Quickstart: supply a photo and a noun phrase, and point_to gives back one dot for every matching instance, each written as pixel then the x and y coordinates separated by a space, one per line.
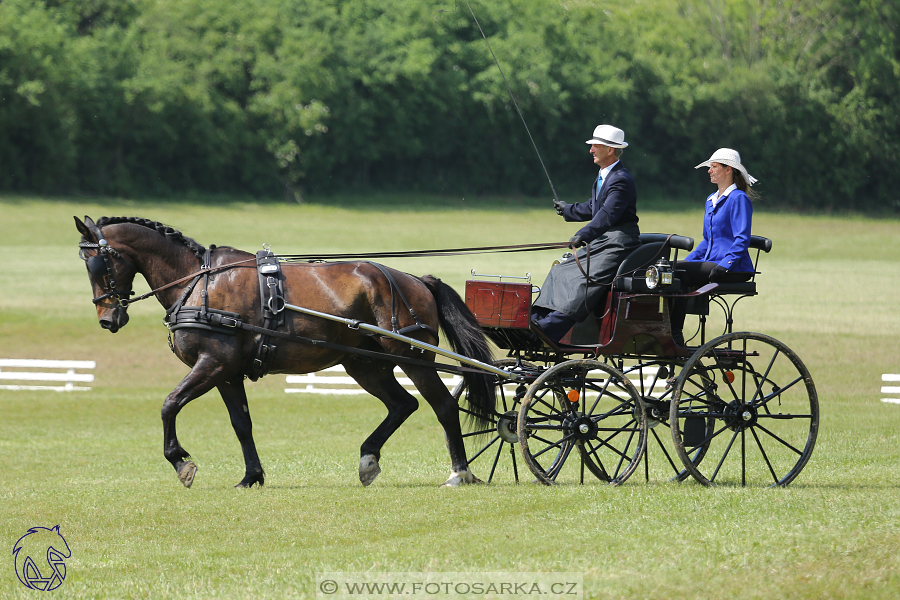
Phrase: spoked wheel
pixel 655 382
pixel 485 447
pixel 744 412
pixel 588 406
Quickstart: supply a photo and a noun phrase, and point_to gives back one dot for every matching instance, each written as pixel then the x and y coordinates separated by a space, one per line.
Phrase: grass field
pixel 93 463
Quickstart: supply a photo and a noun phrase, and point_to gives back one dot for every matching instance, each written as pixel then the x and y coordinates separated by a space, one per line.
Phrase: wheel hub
pixel 654 411
pixel 581 426
pixel 506 427
pixel 740 415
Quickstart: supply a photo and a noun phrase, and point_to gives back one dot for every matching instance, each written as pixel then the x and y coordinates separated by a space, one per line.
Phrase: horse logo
pixel 40 558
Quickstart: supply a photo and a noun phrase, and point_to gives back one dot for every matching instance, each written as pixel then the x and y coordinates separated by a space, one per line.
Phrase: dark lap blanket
pixel 565 289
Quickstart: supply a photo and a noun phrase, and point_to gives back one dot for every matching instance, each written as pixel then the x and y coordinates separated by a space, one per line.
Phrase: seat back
pixel 653 246
pixel 757 242
pixel 760 244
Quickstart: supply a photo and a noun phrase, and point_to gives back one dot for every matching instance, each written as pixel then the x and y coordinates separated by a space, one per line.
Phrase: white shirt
pixel 604 172
pixel 716 196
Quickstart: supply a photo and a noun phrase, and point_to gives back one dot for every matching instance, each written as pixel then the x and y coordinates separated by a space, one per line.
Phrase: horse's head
pixel 110 272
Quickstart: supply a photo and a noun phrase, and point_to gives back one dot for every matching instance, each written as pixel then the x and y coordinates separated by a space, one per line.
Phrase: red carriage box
pixel 498 304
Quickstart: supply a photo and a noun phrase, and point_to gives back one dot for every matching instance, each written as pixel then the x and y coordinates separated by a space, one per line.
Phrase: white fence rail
pixel 891 389
pixel 335 381
pixel 64 372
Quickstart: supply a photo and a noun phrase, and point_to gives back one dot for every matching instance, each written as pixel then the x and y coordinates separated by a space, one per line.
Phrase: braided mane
pixel 170 233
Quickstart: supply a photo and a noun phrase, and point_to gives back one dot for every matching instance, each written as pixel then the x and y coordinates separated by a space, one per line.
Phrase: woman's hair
pixel 741 184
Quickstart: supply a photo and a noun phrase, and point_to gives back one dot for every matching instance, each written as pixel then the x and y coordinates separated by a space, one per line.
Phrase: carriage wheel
pixel 587 405
pixel 487 445
pixel 747 405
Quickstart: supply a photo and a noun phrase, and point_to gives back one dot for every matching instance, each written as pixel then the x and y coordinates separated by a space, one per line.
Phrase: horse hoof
pixel 246 485
pixel 461 478
pixel 368 469
pixel 250 480
pixel 186 473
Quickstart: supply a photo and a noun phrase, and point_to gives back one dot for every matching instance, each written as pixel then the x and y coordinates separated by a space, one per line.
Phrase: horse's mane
pixel 170 233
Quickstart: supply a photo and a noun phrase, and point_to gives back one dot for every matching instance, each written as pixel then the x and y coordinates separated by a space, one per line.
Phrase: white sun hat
pixel 731 158
pixel 608 135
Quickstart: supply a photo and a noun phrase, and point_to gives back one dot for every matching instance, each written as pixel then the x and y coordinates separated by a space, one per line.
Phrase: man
pixel 567 297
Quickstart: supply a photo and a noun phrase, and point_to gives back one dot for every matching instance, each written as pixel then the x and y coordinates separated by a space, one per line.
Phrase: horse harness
pixel 272 304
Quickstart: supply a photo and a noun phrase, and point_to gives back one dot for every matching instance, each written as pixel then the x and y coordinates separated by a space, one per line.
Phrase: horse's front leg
pixel 378 379
pixel 200 380
pixel 235 398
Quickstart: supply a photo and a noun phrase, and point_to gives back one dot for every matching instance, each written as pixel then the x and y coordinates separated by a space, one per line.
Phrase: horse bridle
pixel 98 266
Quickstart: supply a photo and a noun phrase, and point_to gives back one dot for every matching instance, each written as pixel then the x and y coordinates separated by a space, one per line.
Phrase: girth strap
pixel 174 319
pixel 193 317
pixel 271 297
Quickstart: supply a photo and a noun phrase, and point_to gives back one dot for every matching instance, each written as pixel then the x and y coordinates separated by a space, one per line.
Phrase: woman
pixel 722 256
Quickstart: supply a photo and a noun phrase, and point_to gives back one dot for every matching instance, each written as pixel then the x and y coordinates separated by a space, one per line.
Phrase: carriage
pixel 740 409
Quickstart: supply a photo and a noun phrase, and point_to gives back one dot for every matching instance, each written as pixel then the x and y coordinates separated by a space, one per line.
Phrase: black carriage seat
pixel 653 247
pixel 746 288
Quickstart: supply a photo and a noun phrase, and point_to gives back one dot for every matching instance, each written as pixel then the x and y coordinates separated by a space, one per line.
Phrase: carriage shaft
pixel 354 324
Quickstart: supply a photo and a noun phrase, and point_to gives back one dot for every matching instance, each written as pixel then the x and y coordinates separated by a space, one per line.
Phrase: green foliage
pixel 274 96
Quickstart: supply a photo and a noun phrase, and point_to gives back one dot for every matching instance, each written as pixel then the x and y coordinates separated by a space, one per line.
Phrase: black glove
pixel 576 242
pixel 718 273
pixel 559 205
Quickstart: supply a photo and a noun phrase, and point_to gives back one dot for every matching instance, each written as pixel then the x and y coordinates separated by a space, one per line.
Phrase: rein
pixel 201 272
pixel 344 256
pixel 586 271
pixel 436 252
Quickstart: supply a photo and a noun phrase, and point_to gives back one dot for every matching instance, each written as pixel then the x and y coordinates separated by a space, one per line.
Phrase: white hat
pixel 608 135
pixel 731 158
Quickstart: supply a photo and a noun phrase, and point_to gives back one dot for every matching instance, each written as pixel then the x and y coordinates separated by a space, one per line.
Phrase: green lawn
pixel 93 463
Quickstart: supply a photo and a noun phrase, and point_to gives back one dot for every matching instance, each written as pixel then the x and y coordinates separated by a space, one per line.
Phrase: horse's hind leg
pixel 235 398
pixel 378 379
pixel 446 409
pixel 200 380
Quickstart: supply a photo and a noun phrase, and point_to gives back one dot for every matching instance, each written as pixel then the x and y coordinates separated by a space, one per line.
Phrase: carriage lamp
pixel 562 259
pixel 659 274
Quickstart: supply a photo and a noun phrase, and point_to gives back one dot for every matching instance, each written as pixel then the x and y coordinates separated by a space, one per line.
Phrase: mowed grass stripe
pixel 93 462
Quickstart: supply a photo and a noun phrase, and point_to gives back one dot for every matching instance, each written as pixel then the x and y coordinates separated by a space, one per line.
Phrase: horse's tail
pixel 467 338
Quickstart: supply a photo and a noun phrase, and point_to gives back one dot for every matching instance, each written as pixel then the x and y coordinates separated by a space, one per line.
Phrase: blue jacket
pixel 726 233
pixel 613 204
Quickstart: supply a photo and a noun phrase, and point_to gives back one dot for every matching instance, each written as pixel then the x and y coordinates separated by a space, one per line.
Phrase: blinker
pixel 96 266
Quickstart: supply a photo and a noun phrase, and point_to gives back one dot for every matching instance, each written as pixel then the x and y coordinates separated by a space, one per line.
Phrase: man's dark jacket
pixel 615 203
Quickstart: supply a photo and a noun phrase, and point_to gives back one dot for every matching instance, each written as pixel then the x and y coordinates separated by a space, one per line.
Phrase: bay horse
pixel 116 249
